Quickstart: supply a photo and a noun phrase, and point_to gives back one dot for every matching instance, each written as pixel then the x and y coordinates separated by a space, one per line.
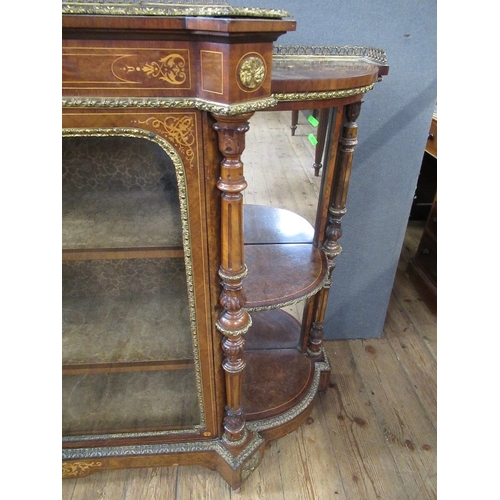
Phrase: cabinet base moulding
pixel 234 464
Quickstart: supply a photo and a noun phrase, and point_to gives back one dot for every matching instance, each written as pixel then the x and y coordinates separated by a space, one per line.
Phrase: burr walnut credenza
pixel 176 345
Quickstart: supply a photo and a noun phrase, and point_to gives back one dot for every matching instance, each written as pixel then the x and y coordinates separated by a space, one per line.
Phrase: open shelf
pixel 277 375
pixel 274 381
pixel 281 274
pixel 273 329
pixel 283 264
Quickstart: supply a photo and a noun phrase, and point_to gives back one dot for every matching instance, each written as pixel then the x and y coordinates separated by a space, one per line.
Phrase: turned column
pixel 336 211
pixel 233 321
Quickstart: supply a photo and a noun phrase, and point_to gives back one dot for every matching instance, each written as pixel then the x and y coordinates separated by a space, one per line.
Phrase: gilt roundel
pixel 251 72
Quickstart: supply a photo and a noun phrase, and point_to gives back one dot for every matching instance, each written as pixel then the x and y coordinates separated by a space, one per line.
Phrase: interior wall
pixel 393 128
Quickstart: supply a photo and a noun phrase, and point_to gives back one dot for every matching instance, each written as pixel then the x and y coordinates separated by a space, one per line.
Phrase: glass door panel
pixel 128 309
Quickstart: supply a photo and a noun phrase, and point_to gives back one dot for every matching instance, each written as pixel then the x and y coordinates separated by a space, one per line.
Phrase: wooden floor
pixel 373 434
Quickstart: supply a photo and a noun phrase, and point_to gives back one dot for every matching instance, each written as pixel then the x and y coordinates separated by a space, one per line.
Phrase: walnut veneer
pixel 176 346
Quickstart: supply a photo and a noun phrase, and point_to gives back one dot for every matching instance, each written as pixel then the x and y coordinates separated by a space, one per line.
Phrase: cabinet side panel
pixel 212 160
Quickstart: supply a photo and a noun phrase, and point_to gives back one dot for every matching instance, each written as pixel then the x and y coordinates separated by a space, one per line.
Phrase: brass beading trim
pixel 167 8
pixel 234 333
pixel 374 54
pixel 322 95
pixel 234 277
pixel 337 211
pixel 159 449
pixel 170 103
pixel 287 303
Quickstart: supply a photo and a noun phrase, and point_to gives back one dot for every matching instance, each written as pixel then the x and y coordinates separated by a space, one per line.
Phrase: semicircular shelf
pixel 283 264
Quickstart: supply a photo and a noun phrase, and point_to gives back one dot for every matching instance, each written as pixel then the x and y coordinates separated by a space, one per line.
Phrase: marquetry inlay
pixel 102 67
pixel 179 130
pixel 77 469
pixel 170 69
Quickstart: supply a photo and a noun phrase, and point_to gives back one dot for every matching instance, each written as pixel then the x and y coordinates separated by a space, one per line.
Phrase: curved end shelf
pixel 274 381
pixel 280 275
pixel 283 264
pixel 277 375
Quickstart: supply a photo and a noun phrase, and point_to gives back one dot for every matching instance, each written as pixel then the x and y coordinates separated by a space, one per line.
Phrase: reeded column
pixel 336 211
pixel 234 321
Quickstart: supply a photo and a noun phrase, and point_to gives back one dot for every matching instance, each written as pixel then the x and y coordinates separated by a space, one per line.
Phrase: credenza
pixel 176 346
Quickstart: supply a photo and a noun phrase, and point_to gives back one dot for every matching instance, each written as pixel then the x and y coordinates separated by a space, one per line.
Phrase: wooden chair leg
pixel 320 147
pixel 295 120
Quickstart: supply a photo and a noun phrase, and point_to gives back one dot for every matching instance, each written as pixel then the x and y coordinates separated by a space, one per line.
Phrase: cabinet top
pixel 151 17
pixel 300 68
pixel 202 54
pixel 167 8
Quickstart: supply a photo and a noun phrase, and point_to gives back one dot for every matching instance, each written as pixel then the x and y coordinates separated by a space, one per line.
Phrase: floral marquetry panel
pixel 80 468
pixel 155 69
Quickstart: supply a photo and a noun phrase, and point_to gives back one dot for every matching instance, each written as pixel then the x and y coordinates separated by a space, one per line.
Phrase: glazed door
pixel 134 287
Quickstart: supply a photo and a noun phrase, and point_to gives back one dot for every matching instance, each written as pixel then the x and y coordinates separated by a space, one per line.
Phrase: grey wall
pixel 393 129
